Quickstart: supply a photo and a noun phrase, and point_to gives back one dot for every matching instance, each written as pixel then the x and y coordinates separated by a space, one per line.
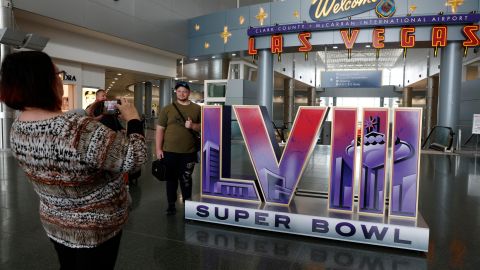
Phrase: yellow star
pixel 225 34
pixel 296 14
pixel 241 20
pixel 197 27
pixel 261 16
pixel 454 4
pixel 206 45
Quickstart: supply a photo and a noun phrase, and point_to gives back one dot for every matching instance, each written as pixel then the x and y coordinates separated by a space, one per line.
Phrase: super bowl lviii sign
pixel 264 200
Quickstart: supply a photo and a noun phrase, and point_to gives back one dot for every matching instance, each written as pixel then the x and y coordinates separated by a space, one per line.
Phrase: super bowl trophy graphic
pixel 405 162
pixel 373 160
pixel 342 174
pixel 374 141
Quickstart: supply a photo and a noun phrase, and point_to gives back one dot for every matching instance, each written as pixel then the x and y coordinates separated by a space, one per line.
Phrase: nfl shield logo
pixel 385 8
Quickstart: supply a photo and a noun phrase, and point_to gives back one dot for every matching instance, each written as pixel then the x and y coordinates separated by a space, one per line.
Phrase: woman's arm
pixel 108 150
pixel 102 148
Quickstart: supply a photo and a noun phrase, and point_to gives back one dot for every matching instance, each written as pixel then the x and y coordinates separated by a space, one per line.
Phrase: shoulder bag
pixel 196 136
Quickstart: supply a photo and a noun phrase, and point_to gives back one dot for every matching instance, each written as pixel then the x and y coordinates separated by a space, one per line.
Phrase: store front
pixel 88 56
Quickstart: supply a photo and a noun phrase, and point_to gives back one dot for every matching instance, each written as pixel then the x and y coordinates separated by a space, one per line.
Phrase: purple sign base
pixel 313 220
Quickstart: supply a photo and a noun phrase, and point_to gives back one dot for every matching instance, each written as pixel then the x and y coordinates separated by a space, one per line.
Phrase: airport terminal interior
pixel 335 134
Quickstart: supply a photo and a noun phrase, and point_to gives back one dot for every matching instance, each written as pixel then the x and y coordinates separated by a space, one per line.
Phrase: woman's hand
pixel 127 110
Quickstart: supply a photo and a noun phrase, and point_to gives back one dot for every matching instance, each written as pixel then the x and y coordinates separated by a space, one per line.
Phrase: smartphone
pixel 110 108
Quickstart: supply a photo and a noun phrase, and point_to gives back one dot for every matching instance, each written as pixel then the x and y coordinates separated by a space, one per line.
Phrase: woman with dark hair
pixel 74 163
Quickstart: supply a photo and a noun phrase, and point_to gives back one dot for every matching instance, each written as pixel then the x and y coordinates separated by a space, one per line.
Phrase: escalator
pixel 439 139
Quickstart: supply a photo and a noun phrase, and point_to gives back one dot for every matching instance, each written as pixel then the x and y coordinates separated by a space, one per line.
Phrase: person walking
pixel 75 163
pixel 176 143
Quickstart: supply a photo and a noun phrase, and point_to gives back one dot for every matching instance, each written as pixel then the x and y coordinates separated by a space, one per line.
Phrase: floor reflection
pixel 308 254
pixel 449 202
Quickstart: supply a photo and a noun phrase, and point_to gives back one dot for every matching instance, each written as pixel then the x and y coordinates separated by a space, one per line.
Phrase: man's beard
pixel 182 99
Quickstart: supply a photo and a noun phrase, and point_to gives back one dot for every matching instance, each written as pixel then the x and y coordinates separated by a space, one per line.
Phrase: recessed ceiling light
pixel 335 47
pixel 116 79
pixel 119 74
pixel 113 82
pixel 213 57
pixel 234 54
pixel 367 46
pixel 196 59
pixel 190 81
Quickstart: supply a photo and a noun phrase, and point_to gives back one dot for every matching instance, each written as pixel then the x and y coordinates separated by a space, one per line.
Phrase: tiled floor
pixel 449 202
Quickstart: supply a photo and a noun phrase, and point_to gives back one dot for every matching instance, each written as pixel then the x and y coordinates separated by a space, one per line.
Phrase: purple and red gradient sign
pixel 277 174
pixel 215 169
pixel 374 161
pixel 407 125
pixel 342 169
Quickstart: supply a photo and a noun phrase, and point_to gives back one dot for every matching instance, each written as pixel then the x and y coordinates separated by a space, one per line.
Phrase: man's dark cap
pixel 181 83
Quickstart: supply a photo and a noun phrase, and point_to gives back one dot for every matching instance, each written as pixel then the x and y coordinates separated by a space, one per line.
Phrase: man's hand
pixel 160 154
pixel 127 110
pixel 188 123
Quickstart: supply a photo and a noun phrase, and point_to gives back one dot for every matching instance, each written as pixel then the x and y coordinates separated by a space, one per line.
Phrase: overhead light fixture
pixel 234 54
pixel 190 81
pixel 367 46
pixel 11 37
pixel 196 59
pixel 116 79
pixel 20 39
pixel 213 57
pixel 335 47
pixel 119 74
pixel 113 82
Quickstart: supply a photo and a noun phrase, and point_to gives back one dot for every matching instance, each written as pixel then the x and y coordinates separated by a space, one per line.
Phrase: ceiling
pixel 196 71
pixel 118 82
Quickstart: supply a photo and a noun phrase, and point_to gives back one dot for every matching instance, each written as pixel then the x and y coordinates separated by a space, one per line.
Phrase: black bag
pixel 159 169
pixel 197 142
